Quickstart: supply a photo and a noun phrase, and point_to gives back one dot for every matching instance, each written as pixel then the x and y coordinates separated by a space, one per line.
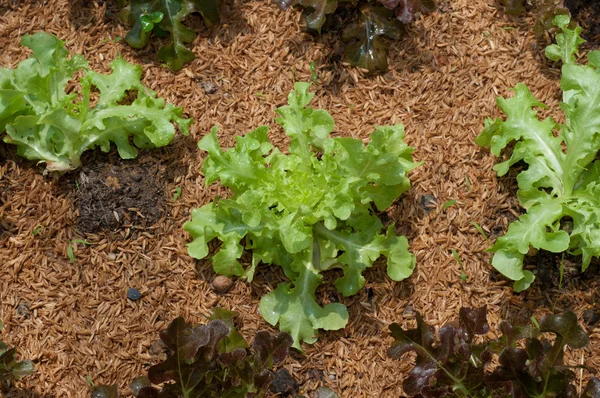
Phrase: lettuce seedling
pixel 560 189
pixel 165 18
pixel 308 211
pixel 364 35
pixel 53 125
pixel 10 369
pixel 457 364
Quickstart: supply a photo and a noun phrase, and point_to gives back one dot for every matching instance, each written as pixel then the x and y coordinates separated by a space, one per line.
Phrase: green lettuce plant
pixel 54 125
pixel 165 18
pixel 308 211
pixel 560 188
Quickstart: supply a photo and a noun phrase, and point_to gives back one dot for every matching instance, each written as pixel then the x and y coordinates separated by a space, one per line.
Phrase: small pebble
pixel 133 294
pixel 209 87
pixel 222 284
pixel 409 312
pixel 112 256
pixel 23 310
pixel 428 202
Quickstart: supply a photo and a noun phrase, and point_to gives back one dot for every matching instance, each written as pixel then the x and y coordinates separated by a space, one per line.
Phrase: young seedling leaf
pixel 448 203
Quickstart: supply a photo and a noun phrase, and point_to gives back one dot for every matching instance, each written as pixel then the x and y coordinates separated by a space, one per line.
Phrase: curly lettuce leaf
pixel 307 211
pixel 562 177
pixel 175 54
pixel 50 126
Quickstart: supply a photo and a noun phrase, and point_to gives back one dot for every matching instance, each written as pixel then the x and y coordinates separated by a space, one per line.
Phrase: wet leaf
pixel 365 46
pixel 566 327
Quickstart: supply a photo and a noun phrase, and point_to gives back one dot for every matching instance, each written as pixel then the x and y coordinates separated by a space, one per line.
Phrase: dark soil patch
pixel 121 194
pixel 284 384
pixel 547 268
pixel 587 15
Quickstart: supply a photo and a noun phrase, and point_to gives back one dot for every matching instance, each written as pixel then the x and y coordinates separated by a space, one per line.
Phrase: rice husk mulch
pixel 74 319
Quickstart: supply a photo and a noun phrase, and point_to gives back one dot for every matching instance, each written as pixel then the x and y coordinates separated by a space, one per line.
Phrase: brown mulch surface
pixel 74 319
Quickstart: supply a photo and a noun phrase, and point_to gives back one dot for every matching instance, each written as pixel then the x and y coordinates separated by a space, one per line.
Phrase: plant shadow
pixel 86 14
pixel 22 393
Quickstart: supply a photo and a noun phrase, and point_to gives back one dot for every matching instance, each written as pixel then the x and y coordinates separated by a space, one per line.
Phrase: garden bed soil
pixel 112 194
pixel 74 318
pixel 587 15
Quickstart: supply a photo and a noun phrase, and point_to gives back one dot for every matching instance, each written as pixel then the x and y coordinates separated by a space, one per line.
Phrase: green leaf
pixel 313 72
pixel 50 126
pixel 297 312
pixel 158 16
pixel 540 228
pixel 147 24
pixel 479 229
pixel 70 254
pixel 567 41
pixel 562 177
pixel 448 203
pixel 177 193
pixel 308 211
pixel 234 339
